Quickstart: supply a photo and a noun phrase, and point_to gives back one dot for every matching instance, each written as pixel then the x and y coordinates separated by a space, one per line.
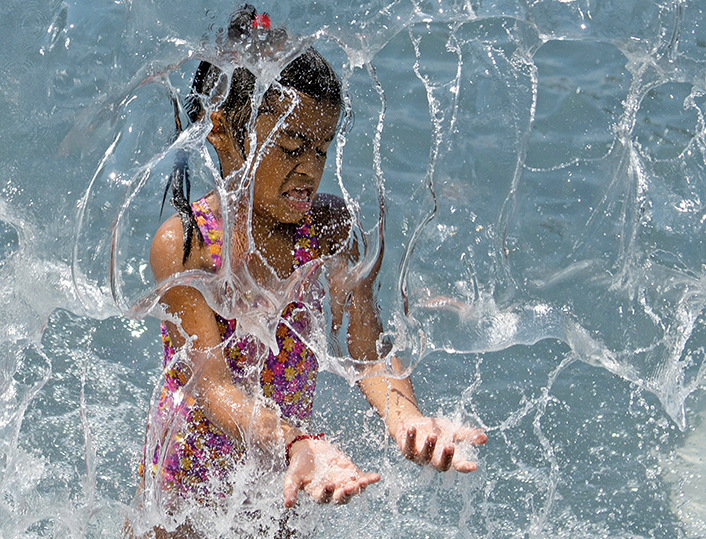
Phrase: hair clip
pixel 261 21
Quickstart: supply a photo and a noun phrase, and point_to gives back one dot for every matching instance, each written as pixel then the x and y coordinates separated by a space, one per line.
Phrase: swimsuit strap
pixel 211 229
pixel 306 246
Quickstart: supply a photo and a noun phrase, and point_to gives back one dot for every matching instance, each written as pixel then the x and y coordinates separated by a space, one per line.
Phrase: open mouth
pixel 299 198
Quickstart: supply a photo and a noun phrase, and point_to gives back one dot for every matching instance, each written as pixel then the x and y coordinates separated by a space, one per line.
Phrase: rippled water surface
pixel 541 166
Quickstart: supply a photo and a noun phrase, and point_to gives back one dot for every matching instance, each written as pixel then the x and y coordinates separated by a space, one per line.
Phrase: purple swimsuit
pixel 197 451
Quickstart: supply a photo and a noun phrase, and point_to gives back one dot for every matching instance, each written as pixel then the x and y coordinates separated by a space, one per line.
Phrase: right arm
pixel 224 403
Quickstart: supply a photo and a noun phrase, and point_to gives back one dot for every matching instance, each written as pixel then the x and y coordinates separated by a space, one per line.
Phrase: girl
pixel 209 415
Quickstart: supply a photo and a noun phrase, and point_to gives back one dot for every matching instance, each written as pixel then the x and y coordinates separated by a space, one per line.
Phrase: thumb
pixel 292 484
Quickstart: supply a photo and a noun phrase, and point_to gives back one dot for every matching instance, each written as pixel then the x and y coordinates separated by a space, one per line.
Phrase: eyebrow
pixel 296 134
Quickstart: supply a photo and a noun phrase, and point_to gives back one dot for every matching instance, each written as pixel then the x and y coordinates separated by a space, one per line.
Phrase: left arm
pixel 424 440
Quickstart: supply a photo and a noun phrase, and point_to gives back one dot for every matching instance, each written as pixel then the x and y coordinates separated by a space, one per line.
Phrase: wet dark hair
pixel 309 73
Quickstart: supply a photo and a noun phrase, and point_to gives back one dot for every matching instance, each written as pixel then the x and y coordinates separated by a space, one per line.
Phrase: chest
pixel 281 250
pixel 278 252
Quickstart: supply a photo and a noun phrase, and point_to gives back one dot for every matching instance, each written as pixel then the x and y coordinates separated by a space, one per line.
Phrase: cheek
pixel 268 183
pixel 274 166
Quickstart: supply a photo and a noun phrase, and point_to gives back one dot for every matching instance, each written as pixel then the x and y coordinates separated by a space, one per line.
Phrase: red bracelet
pixel 319 436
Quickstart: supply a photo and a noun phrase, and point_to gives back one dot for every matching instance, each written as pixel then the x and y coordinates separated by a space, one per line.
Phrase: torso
pixel 288 378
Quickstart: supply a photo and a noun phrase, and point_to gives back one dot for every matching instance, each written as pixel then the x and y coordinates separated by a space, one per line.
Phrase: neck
pixel 264 229
pixel 275 244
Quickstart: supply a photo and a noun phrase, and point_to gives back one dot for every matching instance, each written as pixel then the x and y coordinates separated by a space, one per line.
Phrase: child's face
pixel 290 170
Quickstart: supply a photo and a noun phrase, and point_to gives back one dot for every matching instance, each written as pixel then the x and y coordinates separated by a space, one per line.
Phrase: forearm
pixel 236 408
pixel 244 417
pixel 392 398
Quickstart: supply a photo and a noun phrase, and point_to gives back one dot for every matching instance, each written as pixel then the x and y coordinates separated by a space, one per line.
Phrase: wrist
pixel 397 419
pixel 290 434
pixel 401 409
pixel 299 438
pixel 393 399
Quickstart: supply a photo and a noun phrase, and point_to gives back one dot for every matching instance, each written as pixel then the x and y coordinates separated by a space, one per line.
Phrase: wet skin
pixel 286 180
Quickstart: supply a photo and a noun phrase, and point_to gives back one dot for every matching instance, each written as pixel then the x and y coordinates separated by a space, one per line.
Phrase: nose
pixel 311 164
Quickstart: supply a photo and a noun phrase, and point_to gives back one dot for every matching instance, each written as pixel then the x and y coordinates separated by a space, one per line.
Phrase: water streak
pixel 533 173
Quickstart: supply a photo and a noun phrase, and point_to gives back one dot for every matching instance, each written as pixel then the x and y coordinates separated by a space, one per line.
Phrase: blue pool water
pixel 542 170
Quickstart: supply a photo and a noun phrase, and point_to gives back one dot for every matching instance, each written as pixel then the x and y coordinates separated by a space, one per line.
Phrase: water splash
pixel 540 165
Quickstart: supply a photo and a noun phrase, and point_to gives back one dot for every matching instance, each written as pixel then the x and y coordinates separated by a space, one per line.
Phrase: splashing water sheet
pixel 535 172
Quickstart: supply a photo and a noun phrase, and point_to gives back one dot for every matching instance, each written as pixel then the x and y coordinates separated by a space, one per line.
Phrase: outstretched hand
pixel 433 442
pixel 324 473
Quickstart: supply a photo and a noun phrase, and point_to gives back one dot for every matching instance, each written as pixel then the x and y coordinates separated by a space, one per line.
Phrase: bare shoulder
pixel 332 222
pixel 167 251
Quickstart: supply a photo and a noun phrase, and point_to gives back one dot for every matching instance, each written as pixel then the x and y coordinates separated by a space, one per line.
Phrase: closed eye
pixel 321 151
pixel 296 152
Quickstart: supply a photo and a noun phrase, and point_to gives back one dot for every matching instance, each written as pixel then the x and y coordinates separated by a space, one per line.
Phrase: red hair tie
pixel 261 21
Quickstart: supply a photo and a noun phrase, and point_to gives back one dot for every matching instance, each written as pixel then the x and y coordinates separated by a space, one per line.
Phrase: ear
pixel 220 136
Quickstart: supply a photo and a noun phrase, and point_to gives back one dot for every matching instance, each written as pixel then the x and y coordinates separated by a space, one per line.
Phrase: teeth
pixel 298 194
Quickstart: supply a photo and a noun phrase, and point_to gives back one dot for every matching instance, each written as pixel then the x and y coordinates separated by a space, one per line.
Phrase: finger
pixel 446 459
pixel 464 466
pixel 409 449
pixel 427 451
pixel 367 479
pixel 370 478
pixel 344 495
pixel 479 438
pixel 292 484
pixel 474 436
pixel 325 495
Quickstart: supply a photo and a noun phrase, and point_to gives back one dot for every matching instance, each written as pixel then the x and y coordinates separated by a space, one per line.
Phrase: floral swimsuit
pixel 197 454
